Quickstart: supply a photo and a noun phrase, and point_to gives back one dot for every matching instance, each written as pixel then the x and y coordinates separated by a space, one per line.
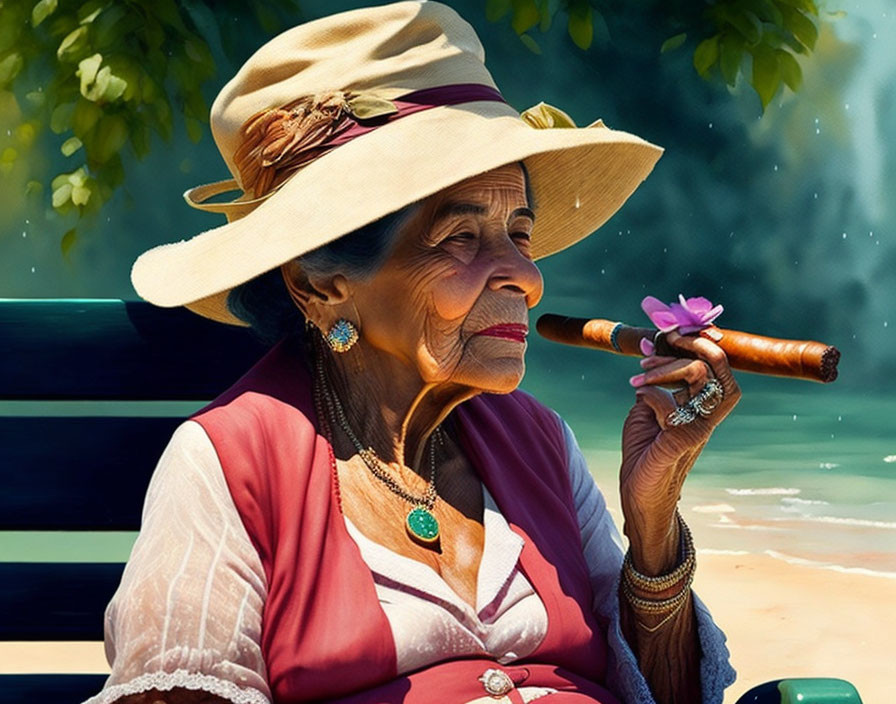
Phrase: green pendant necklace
pixel 420 522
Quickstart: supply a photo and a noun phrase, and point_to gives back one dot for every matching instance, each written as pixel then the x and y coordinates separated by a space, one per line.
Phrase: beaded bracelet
pixel 661 583
pixel 684 574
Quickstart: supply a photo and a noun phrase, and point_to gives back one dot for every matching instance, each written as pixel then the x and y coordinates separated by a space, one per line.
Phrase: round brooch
pixel 496 682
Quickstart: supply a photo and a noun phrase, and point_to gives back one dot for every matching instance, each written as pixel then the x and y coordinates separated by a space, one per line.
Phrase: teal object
pixel 818 690
pixel 422 525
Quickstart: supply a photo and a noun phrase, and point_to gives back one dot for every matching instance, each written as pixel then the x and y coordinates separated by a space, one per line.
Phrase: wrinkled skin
pixel 462 264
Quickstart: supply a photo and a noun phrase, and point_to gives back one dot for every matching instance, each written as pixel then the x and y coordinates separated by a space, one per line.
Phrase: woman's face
pixel 452 300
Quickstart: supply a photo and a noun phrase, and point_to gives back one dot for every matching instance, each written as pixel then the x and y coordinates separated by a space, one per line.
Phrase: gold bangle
pixel 654 629
pixel 661 583
pixel 656 606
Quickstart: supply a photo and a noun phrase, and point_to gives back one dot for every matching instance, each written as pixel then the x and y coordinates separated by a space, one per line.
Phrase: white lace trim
pixel 166 681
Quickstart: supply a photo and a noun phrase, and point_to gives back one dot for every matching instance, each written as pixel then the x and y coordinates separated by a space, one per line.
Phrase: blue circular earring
pixel 342 336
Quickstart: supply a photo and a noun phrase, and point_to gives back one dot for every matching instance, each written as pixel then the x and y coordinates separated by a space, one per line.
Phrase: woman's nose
pixel 515 271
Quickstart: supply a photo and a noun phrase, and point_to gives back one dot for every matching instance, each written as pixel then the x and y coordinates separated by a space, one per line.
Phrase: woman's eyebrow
pixel 450 208
pixel 462 208
pixel 522 213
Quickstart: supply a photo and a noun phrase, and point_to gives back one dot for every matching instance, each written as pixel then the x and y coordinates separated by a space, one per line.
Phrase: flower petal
pixel 712 314
pixel 683 315
pixel 651 304
pixel 697 305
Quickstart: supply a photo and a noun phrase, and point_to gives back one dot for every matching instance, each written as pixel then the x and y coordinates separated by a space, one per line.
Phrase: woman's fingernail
pixel 637 380
pixel 647 347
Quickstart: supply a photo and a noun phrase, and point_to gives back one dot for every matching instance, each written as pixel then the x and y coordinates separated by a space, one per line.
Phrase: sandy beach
pixel 787 620
pixel 782 620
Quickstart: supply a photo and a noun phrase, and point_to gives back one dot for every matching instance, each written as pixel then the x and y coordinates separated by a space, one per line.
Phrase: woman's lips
pixel 509 331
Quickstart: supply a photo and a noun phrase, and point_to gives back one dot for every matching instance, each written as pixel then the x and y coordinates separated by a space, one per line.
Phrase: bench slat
pixel 78 473
pixel 55 601
pixel 58 689
pixel 111 349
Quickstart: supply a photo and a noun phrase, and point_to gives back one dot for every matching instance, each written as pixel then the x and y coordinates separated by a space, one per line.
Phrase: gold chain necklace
pixel 420 522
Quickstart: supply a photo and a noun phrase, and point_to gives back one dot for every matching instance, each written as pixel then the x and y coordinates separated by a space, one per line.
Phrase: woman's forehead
pixel 474 196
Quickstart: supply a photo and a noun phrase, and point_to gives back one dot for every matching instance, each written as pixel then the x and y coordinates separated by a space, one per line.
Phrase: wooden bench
pixel 90 392
pixel 110 380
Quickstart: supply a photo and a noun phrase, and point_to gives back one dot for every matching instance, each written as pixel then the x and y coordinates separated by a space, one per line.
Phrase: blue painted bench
pixel 88 470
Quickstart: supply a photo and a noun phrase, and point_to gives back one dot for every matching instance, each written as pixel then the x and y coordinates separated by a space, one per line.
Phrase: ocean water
pixel 799 471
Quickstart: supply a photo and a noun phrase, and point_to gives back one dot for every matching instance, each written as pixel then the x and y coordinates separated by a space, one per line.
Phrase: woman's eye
pixel 460 237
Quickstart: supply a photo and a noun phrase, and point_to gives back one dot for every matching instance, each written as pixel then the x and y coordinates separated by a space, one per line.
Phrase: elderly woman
pixel 374 513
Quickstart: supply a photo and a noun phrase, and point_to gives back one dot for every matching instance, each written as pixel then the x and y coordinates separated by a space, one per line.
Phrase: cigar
pixel 800 359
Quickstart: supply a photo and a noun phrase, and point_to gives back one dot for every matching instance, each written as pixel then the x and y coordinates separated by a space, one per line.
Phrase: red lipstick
pixel 508 331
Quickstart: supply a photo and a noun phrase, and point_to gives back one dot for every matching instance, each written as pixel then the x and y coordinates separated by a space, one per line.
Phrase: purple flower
pixel 687 316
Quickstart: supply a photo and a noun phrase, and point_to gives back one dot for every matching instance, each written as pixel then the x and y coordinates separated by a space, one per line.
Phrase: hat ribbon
pixel 362 113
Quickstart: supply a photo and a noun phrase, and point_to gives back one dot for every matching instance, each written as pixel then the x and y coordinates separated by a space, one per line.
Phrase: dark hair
pixel 265 304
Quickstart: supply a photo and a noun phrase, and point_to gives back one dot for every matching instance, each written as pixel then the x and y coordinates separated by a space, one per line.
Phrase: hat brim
pixel 580 177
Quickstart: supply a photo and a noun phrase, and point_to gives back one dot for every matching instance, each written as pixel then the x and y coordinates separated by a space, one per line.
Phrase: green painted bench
pixel 90 392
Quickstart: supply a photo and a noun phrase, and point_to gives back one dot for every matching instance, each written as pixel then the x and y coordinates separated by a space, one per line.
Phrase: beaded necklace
pixel 420 522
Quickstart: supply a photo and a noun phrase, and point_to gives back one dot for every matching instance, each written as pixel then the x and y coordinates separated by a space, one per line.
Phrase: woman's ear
pixel 312 294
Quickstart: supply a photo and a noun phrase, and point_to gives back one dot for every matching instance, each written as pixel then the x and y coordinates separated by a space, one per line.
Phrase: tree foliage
pixel 758 39
pixel 120 71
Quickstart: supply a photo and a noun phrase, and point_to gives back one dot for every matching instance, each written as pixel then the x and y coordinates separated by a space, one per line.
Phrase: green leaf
pixel 80 195
pixel 731 51
pixel 88 19
pixel 70 146
pixel 547 14
pixel 530 43
pixel 140 139
pixel 802 28
pixel 766 73
pixel 110 136
pixel 525 15
pixel 747 23
pixel 10 67
pixel 196 50
pixel 706 54
pixel 87 70
pixel 74 44
pixel 113 86
pixel 804 5
pixel 99 84
pixel 62 195
pixel 119 20
pixel 791 73
pixel 362 107
pixel 42 10
pixel 496 9
pixel 37 98
pixel 194 129
pixel 581 24
pixel 672 43
pixel 68 241
pixel 78 177
pixel 84 117
pixel 768 11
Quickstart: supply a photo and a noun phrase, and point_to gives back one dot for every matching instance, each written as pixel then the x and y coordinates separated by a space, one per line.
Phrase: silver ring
pixel 709 398
pixel 703 404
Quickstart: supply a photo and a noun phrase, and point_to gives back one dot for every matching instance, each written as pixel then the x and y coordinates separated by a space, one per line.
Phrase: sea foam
pixel 803 562
pixel 765 491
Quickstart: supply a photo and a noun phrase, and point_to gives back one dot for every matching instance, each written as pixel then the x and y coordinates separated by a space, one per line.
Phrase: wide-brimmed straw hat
pixel 340 121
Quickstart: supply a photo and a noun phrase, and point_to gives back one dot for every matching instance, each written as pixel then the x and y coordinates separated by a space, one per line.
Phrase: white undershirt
pixel 194 557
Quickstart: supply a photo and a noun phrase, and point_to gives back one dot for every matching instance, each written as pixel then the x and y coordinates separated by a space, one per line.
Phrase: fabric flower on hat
pixel 686 316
